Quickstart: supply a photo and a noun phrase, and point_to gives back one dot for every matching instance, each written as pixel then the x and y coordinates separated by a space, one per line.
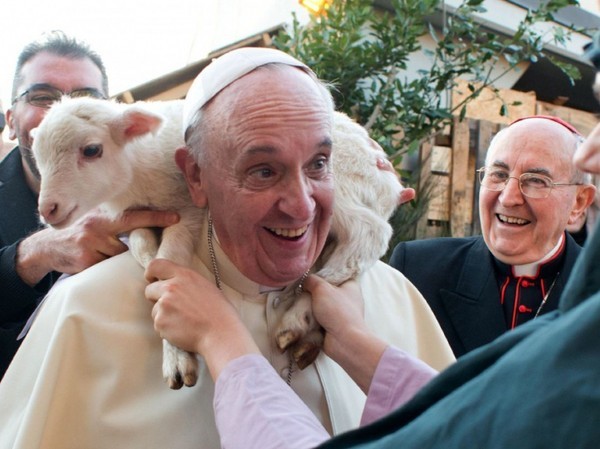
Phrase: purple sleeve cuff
pixel 397 378
pixel 255 408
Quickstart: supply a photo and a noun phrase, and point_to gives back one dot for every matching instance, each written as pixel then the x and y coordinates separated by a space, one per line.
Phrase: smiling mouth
pixel 512 220
pixel 291 234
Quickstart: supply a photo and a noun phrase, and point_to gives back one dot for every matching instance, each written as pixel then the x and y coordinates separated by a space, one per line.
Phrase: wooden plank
pixel 486 132
pixel 174 93
pixel 434 189
pixel 441 159
pixel 582 120
pixel 127 97
pixel 471 178
pixel 435 229
pixel 460 205
pixel 439 204
pixel 487 105
pixel 424 179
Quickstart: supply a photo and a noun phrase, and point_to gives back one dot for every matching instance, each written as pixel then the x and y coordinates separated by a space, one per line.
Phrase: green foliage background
pixel 364 53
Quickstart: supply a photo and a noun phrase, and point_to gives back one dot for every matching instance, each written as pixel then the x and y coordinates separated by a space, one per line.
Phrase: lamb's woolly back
pixel 355 168
pixel 91 152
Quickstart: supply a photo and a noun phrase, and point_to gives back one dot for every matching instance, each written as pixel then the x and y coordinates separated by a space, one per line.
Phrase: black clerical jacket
pixel 458 279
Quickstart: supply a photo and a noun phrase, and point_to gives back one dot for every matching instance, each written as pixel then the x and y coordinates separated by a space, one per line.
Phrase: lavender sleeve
pixel 255 408
pixel 396 380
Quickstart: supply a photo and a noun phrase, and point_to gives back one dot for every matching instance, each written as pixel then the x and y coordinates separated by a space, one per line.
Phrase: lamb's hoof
pixel 180 368
pixel 286 338
pixel 178 380
pixel 305 353
pixel 175 382
pixel 190 379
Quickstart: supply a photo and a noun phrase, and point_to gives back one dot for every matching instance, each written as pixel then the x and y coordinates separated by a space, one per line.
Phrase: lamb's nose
pixel 49 212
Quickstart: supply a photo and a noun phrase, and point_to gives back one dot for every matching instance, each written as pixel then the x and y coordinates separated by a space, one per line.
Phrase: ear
pixel 585 196
pixel 33 133
pixel 12 133
pixel 191 172
pixel 135 122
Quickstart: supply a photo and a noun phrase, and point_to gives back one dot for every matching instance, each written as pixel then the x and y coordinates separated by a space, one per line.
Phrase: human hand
pixel 193 314
pixel 348 340
pixel 90 240
pixel 339 310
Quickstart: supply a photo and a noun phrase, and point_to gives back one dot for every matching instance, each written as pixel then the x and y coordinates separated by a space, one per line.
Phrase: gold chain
pixel 546 295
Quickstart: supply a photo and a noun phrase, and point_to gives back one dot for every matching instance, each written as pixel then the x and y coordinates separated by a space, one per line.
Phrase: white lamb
pixel 93 152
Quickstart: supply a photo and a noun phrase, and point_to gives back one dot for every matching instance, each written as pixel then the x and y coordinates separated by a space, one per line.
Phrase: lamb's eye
pixel 92 151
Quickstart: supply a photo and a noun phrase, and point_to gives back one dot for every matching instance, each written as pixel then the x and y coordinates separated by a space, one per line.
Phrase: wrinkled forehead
pixel 274 105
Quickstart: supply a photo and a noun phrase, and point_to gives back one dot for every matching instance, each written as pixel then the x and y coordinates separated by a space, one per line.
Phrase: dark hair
pixel 58 43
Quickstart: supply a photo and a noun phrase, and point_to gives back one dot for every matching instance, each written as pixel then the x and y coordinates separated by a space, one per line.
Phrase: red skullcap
pixel 554 119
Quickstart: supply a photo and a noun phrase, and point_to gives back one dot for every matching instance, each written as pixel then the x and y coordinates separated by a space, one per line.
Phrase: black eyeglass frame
pixel 57 94
pixel 481 176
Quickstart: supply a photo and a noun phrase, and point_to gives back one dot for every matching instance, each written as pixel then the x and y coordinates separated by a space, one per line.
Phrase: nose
pixel 297 198
pixel 511 194
pixel 49 211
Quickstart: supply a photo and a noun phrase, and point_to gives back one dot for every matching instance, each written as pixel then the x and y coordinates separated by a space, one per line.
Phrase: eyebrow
pixel 326 143
pixel 534 170
pixel 41 86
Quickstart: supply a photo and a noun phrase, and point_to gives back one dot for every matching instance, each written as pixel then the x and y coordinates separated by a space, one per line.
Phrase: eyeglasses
pixel 531 185
pixel 43 96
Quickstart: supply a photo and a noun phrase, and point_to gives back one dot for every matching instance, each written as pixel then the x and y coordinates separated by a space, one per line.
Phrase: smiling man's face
pixel 518 229
pixel 267 181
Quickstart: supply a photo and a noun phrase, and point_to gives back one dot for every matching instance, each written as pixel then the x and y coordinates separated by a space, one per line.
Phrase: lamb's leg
pixel 308 348
pixel 180 367
pixel 143 243
pixel 298 331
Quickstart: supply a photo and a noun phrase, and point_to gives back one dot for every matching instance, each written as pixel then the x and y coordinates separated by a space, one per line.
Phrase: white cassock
pixel 88 374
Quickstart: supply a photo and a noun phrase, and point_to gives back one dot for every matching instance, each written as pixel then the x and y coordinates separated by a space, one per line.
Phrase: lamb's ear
pixel 134 123
pixel 33 133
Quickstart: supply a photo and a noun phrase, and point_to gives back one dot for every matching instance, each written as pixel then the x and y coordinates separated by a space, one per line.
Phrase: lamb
pixel 95 152
pixel 365 198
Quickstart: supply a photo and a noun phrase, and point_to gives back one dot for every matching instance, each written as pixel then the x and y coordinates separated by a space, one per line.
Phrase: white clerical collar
pixel 531 269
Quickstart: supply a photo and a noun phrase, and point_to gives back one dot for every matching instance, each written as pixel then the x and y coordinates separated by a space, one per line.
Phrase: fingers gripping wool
pixel 94 153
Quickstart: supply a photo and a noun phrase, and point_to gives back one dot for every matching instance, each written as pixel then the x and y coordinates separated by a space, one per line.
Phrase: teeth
pixel 289 232
pixel 512 220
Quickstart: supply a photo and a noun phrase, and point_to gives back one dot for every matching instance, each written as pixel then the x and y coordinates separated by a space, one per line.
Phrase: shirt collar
pixel 532 269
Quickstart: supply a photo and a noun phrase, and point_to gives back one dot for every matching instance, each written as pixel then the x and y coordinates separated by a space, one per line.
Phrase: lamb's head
pixel 79 149
pixel 355 168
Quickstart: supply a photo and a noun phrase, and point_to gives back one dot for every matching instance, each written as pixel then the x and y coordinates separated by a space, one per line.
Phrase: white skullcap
pixel 224 70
